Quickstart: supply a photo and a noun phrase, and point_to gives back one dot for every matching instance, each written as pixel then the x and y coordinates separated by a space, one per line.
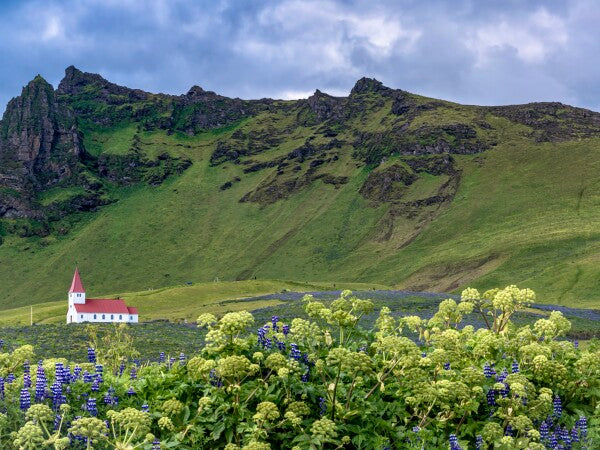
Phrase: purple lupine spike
pixel 454 445
pixel 1 388
pixel 91 406
pixel 479 442
pixel 121 368
pixel 25 399
pixel 557 406
pixel 133 373
pixel 446 366
pixel 10 378
pixel 515 367
pixel 182 358
pixel 91 355
pixel 295 352
pixel 40 383
pixel 156 444
pixel 322 406
pixel 285 329
pixel 26 380
pixel 161 357
pixel 274 320
pixel 491 397
pixel 131 391
pixel 145 408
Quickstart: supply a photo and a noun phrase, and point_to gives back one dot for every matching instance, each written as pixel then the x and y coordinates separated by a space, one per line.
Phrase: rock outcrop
pixel 40 146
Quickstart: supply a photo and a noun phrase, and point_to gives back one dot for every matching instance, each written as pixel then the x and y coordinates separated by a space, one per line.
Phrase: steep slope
pixel 380 186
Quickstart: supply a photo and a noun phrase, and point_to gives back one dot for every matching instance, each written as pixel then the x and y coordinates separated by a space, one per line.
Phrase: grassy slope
pixel 183 302
pixel 525 213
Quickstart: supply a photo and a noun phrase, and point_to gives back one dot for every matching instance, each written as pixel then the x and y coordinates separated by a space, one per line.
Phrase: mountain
pixel 148 190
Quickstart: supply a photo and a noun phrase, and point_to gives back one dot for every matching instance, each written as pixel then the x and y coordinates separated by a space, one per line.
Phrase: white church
pixel 96 309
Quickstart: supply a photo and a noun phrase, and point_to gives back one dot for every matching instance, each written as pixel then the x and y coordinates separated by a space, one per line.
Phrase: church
pixel 96 309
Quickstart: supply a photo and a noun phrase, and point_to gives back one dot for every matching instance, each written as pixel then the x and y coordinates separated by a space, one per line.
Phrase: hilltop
pixel 382 186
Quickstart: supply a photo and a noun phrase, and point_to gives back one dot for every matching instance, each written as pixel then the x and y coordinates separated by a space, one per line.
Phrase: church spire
pixel 76 285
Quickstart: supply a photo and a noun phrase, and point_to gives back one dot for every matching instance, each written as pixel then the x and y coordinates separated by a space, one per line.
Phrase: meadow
pixel 347 373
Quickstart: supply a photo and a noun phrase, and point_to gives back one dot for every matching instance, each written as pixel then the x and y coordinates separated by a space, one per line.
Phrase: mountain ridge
pixel 375 186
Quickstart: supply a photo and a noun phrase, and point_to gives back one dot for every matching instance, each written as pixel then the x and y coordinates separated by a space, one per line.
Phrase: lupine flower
pixel 131 391
pixel 107 399
pixel 416 429
pixel 95 385
pixel 161 357
pixel 145 408
pixel 25 399
pixel 281 346
pixel 87 377
pixel 515 367
pixel 121 368
pixel 479 442
pixel 57 419
pixel 214 379
pixel 491 397
pixel 182 358
pixel 91 355
pixel 544 429
pixel 1 343
pixel 1 388
pixel 40 383
pixel 171 361
pixel 156 444
pixel 454 445
pixel 285 329
pixel 447 366
pixel 76 373
pixel 576 344
pixel 557 406
pixel 56 390
pixel 508 431
pixel 322 406
pixel 10 378
pixel 133 373
pixel 274 320
pixel 91 406
pixel 26 367
pixel 26 380
pixel 295 353
pixel 487 371
pixel 582 425
pixel 305 375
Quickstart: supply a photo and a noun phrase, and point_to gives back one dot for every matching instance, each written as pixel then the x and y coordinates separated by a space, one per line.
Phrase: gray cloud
pixel 461 50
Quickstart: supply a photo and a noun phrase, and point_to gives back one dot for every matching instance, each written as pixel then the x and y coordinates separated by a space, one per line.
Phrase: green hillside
pixel 510 197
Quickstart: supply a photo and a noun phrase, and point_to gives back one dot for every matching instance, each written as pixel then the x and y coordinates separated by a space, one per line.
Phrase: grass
pixel 181 303
pixel 525 213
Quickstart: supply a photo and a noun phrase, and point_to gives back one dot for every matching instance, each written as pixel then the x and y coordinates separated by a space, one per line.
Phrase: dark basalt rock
pixel 387 184
pixel 368 85
pixel 40 146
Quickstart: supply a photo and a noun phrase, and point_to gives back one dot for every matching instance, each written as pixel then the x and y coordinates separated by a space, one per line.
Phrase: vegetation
pixel 321 382
pixel 494 195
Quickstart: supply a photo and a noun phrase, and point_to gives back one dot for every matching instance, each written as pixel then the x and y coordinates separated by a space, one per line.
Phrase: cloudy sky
pixel 470 51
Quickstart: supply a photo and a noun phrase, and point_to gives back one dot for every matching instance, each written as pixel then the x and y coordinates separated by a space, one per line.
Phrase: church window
pixel 94 316
pixel 112 316
pixel 103 316
pixel 120 316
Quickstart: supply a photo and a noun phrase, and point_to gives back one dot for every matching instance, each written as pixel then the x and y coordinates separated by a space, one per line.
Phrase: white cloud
pixel 321 35
pixel 532 39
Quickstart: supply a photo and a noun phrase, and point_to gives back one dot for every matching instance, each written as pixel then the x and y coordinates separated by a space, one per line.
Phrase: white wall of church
pixel 101 318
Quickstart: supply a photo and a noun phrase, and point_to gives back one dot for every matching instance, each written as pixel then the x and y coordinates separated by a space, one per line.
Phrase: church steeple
pixel 76 285
pixel 77 292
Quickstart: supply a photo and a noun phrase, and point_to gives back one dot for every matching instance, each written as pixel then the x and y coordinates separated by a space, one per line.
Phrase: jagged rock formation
pixel 40 146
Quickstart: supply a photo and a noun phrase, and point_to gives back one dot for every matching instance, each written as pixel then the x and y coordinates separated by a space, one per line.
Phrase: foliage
pixel 323 382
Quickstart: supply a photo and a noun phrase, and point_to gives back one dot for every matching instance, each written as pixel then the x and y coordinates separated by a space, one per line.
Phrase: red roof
pixel 132 310
pixel 76 285
pixel 103 305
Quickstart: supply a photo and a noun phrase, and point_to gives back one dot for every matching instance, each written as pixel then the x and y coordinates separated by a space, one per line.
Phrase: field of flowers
pixel 319 381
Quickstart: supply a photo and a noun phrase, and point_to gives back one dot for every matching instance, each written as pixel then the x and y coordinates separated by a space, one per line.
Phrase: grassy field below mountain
pixel 184 303
pixel 523 209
